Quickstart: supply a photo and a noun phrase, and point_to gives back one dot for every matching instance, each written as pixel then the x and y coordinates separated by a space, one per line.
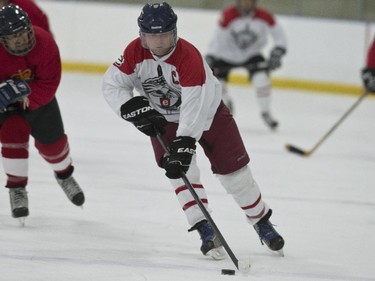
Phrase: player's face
pixel 246 5
pixel 19 43
pixel 159 43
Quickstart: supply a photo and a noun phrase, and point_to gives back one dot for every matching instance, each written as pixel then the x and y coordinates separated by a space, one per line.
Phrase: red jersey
pixel 41 68
pixel 371 56
pixel 36 15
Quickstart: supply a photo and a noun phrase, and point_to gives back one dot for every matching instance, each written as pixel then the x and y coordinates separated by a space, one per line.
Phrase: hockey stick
pixel 307 153
pixel 243 266
pixel 263 65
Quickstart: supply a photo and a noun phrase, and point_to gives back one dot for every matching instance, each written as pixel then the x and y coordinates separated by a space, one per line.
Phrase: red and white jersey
pixel 179 85
pixel 40 68
pixel 36 15
pixel 371 56
pixel 239 37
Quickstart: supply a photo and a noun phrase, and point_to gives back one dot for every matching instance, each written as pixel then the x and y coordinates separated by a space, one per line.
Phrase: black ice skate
pixel 272 123
pixel 211 245
pixel 19 203
pixel 268 235
pixel 72 190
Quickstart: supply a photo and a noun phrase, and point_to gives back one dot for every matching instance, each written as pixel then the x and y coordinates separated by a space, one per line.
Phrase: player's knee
pixel 261 79
pixel 237 181
pixel 15 129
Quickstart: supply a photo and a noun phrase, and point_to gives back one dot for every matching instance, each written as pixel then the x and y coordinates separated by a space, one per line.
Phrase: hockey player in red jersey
pixel 178 95
pixel 35 13
pixel 30 53
pixel 368 73
pixel 238 41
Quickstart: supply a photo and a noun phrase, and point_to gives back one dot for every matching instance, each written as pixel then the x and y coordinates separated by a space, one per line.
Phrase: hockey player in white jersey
pixel 162 84
pixel 238 41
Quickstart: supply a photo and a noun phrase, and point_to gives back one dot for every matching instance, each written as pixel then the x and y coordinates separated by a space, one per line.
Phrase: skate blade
pixel 281 252
pixel 217 253
pixel 21 221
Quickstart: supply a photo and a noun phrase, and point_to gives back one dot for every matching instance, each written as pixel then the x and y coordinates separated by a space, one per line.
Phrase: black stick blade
pixel 296 150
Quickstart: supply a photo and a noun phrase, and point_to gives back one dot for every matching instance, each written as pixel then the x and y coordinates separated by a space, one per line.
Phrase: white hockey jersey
pixel 239 37
pixel 180 85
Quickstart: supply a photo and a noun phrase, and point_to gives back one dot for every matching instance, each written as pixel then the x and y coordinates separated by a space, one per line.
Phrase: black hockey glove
pixel 275 58
pixel 11 91
pixel 368 78
pixel 181 152
pixel 211 61
pixel 213 64
pixel 146 119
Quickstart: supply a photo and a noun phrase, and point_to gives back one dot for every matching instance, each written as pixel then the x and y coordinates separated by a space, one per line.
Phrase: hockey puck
pixel 228 272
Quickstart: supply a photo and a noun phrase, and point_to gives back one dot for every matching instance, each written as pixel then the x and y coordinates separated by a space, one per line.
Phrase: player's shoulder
pixel 185 45
pixel 265 15
pixel 45 49
pixel 44 40
pixel 189 64
pixel 42 35
pixel 187 51
pixel 135 52
pixel 229 14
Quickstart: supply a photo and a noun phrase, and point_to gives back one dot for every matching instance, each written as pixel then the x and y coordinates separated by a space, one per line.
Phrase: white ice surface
pixel 132 228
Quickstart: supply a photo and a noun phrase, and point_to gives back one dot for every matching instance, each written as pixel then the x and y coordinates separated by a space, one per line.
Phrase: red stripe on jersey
pixel 184 187
pixel 252 205
pixel 193 203
pixel 189 64
pixel 232 13
pixel 185 58
pixel 228 15
pixel 133 54
pixel 264 15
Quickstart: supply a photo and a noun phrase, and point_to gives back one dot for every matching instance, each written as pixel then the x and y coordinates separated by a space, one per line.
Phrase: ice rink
pixel 132 228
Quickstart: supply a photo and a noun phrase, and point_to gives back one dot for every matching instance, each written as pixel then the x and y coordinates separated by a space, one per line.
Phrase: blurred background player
pixel 30 53
pixel 368 73
pixel 182 99
pixel 35 13
pixel 238 41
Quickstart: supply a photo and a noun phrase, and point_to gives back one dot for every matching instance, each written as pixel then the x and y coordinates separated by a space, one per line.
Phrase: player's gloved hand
pixel 12 91
pixel 181 152
pixel 146 119
pixel 275 58
pixel 212 62
pixel 368 78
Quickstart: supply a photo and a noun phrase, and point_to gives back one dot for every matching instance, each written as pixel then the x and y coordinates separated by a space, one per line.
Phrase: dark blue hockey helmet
pixel 157 18
pixel 12 21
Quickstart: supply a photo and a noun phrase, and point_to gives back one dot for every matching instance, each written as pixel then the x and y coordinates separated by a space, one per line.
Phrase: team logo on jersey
pixel 244 38
pixel 25 74
pixel 162 94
